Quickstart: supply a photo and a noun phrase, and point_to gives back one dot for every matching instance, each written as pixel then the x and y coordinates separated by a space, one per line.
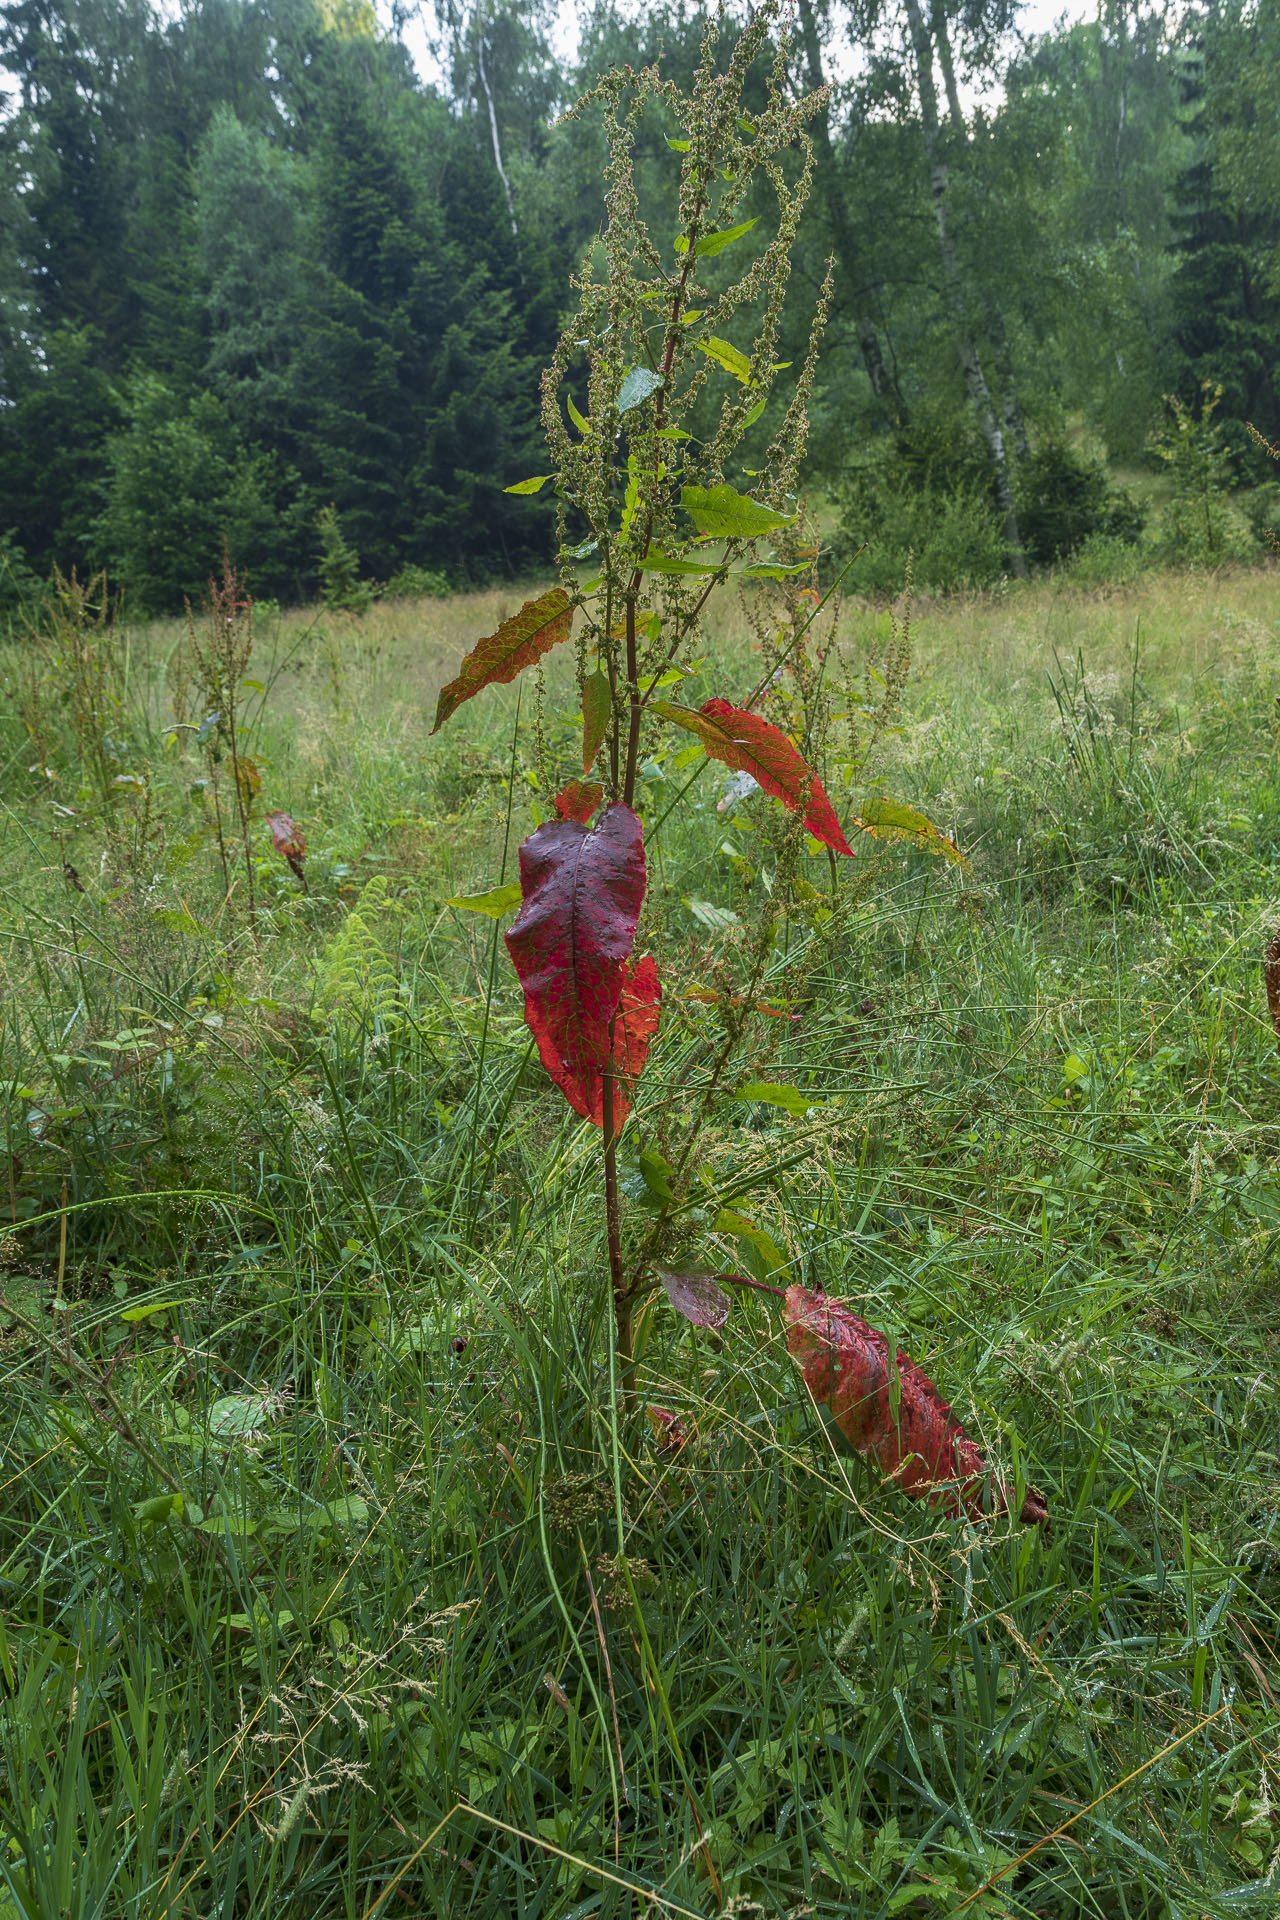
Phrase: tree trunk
pixel 883 384
pixel 497 143
pixel 953 284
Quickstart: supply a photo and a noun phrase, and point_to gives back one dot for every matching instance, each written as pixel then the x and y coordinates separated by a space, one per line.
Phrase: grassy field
pixel 330 1583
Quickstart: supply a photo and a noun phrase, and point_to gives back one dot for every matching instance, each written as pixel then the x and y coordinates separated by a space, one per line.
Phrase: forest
pixel 254 270
pixel 639 962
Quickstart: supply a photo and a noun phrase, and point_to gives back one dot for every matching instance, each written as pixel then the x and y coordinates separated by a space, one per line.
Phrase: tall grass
pixel 328 1583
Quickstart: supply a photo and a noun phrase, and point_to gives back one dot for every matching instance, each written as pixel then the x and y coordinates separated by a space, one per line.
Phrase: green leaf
pixel 677 146
pixel 236 1414
pixel 640 385
pixel 597 704
pixel 717 242
pixel 726 514
pixel 657 1176
pixel 727 356
pixel 656 562
pixel 754 415
pixel 715 919
pixel 145 1312
pixel 771 570
pixel 777 1093
pixel 162 1506
pixel 768 1256
pixel 535 485
pixel 579 420
pixel 495 903
pixel 349 1511
pixel 887 819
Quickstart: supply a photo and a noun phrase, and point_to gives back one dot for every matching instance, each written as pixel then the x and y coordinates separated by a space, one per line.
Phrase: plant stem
pixel 613 1231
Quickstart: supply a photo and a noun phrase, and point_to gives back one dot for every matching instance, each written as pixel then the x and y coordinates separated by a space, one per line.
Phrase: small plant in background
pixel 207 677
pixel 1200 525
pixel 644 494
pixel 73 673
pixel 344 590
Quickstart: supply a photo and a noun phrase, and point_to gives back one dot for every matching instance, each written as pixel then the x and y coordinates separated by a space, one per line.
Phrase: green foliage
pixel 340 567
pixel 1200 526
pixel 182 488
pixel 1065 500
pixel 950 536
pixel 412 582
pixel 327 1369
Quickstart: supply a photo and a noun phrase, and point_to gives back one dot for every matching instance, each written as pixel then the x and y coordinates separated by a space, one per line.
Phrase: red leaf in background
pixel 500 656
pixel 290 841
pixel 668 1429
pixel 920 1445
pixel 582 890
pixel 579 800
pixel 751 745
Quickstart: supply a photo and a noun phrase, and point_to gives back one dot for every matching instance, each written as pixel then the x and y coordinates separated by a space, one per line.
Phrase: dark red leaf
pixel 919 1443
pixel 579 800
pixel 582 890
pixel 697 1295
pixel 751 745
pixel 501 656
pixel 668 1428
pixel 290 841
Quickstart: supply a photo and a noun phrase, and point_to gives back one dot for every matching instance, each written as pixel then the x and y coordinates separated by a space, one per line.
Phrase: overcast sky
pixel 1036 16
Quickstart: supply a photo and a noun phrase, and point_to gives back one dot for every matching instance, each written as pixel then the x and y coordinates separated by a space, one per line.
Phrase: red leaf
pixel 921 1445
pixel 502 655
pixel 669 1429
pixel 579 800
pixel 697 1295
pixel 636 1022
pixel 290 841
pixel 582 890
pixel 751 745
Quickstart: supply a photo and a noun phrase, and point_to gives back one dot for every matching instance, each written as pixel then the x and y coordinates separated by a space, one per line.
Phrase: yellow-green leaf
pixel 495 903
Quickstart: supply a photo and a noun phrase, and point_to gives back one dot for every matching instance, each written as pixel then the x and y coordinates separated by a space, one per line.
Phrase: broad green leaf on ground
pixel 638 386
pixel 582 890
pixel 597 704
pixel 500 656
pixel 725 512
pixel 726 355
pixel 578 800
pixel 776 1093
pixel 891 1412
pixel 751 745
pixel 893 820
pixel 495 903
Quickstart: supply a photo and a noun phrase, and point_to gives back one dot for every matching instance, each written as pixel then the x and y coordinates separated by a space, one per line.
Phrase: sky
pixel 1035 16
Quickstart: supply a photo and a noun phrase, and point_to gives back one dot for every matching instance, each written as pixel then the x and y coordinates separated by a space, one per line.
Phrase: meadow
pixel 333 1579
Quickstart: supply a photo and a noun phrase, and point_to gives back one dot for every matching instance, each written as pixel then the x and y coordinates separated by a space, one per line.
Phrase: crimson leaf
pixel 581 891
pixel 751 745
pixel 894 1416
